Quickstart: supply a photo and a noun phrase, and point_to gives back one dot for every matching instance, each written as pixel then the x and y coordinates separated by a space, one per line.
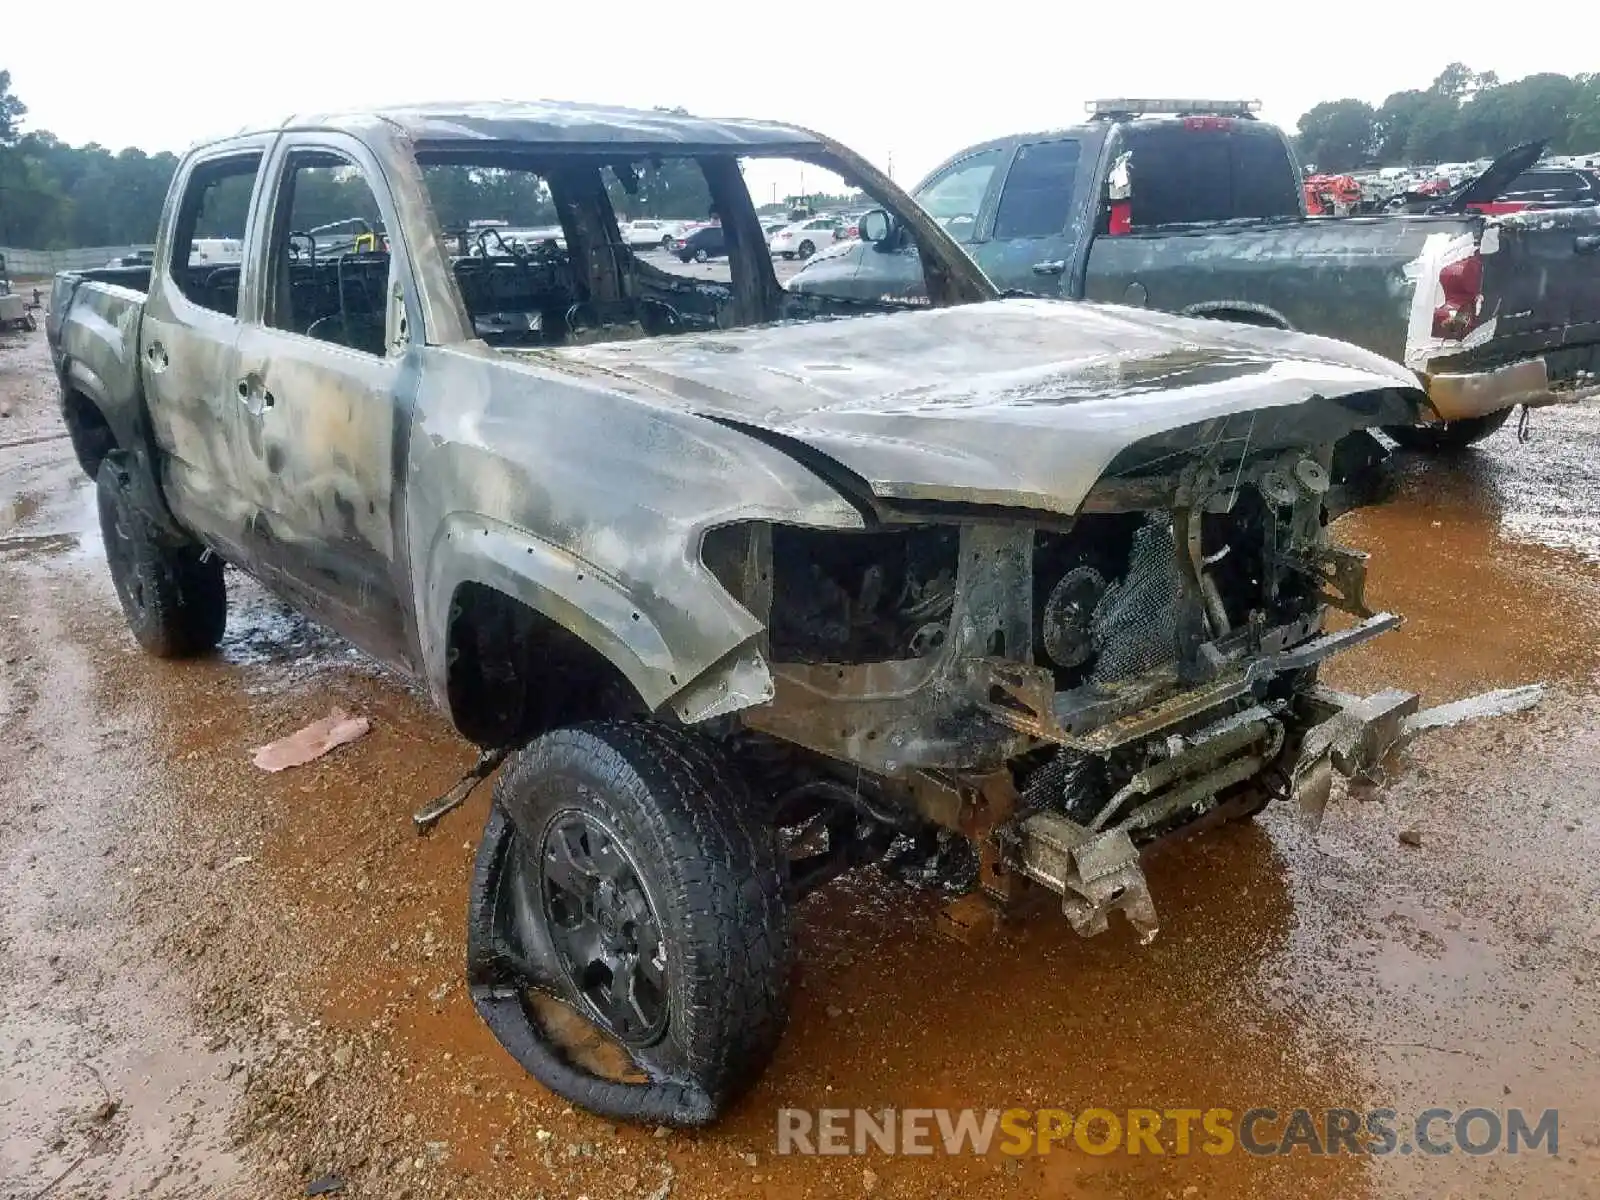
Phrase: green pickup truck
pixel 1196 207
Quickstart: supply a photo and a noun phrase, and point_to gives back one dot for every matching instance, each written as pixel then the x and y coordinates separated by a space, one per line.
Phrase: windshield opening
pixel 564 247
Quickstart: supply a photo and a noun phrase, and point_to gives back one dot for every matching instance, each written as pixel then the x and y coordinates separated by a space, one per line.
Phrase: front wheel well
pixel 513 673
pixel 89 430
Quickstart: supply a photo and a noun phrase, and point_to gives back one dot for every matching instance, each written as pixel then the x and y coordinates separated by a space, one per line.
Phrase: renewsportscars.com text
pixel 1176 1131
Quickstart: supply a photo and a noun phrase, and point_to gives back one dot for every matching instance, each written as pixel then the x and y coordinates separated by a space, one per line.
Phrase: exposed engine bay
pixel 1067 692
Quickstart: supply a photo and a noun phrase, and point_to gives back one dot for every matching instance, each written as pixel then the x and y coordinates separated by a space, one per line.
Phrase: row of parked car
pixel 1558 183
pixel 701 241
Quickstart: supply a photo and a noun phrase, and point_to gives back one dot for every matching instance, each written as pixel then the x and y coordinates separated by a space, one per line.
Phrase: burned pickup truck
pixel 1196 207
pixel 714 560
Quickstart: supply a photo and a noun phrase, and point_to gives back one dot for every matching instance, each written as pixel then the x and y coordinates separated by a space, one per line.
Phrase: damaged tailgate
pixel 1541 281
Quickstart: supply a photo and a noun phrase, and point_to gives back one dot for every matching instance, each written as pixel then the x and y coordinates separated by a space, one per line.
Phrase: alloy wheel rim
pixel 603 927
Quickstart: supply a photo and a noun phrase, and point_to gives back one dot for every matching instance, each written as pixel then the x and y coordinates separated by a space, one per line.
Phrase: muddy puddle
pixel 17 510
pixel 1493 558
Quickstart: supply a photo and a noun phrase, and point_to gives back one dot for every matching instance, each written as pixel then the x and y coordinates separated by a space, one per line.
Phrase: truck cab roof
pixel 1101 128
pixel 548 121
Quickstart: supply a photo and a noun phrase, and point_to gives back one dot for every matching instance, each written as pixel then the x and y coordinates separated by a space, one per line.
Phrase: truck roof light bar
pixel 1126 107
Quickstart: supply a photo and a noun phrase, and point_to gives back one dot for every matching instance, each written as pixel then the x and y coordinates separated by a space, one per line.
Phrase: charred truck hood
pixel 1016 403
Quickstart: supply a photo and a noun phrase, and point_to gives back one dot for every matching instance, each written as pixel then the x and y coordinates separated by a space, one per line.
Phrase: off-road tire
pixel 1449 437
pixel 173 596
pixel 805 250
pixel 713 876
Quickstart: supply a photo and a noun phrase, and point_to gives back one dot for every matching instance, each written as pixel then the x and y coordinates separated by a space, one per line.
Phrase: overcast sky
pixel 915 81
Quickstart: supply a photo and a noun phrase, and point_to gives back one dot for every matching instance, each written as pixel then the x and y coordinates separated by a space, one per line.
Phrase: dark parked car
pixel 1546 187
pixel 701 245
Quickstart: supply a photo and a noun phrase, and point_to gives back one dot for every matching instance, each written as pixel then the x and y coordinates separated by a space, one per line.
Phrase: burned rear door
pixel 322 386
pixel 188 342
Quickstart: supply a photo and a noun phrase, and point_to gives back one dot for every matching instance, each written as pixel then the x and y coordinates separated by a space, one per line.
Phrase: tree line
pixel 1463 115
pixel 54 196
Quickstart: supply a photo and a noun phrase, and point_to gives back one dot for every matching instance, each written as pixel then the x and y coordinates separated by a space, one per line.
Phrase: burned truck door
pixel 189 344
pixel 320 366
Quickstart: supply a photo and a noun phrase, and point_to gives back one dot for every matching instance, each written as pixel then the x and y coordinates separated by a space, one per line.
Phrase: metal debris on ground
pixel 325 1186
pixel 1502 702
pixel 311 742
pixel 429 815
pixel 1358 738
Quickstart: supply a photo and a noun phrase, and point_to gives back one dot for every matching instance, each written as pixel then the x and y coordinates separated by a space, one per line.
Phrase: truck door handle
pixel 157 354
pixel 255 398
pixel 1054 267
pixel 1589 243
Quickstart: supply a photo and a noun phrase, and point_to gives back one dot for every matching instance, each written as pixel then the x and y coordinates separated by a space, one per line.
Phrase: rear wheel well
pixel 89 430
pixel 514 673
pixel 1240 312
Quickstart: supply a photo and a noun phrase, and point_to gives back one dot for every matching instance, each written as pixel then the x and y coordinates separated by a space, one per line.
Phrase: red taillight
pixel 1208 122
pixel 1461 284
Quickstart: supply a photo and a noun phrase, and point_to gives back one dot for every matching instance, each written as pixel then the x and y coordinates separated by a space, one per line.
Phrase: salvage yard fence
pixel 34 264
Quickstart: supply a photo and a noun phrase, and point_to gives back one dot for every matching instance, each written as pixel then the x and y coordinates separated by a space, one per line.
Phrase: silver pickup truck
pixel 1009 587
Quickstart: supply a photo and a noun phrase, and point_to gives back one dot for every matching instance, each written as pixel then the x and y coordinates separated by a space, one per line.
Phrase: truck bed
pixel 1374 281
pixel 1351 278
pixel 93 332
pixel 133 279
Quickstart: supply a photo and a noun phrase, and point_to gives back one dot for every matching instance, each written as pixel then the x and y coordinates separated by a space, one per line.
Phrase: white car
pixel 805 238
pixel 650 233
pixel 206 252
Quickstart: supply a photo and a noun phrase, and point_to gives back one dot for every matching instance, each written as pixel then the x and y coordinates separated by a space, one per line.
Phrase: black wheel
pixel 666 242
pixel 701 256
pixel 173 596
pixel 789 254
pixel 1449 436
pixel 29 322
pixel 625 872
pixel 805 250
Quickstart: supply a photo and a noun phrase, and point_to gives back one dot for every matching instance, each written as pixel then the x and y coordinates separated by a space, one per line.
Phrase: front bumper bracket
pixel 1097 871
